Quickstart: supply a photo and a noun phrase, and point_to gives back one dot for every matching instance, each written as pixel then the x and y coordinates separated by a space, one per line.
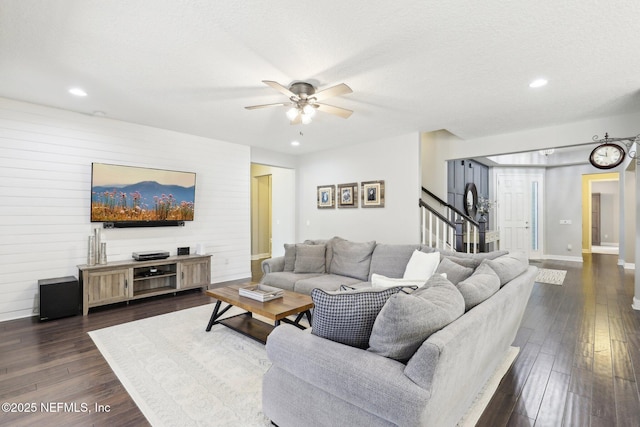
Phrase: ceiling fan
pixel 303 100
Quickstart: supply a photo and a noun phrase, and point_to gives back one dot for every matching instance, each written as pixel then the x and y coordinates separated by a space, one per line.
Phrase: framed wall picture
pixel 348 195
pixel 372 194
pixel 326 196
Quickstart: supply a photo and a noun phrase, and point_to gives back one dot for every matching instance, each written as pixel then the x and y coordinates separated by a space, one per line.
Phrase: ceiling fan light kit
pixel 303 99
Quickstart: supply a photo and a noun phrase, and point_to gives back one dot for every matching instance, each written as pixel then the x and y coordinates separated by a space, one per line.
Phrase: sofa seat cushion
pixel 406 320
pixel 483 283
pixel 285 279
pixel 391 260
pixel 348 317
pixel 351 259
pixel 327 282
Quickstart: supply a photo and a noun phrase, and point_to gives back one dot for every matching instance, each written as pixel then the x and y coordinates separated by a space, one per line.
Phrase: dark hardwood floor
pixel 579 362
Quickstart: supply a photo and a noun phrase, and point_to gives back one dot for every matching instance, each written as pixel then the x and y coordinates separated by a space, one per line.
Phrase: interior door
pixel 519 213
pixel 264 216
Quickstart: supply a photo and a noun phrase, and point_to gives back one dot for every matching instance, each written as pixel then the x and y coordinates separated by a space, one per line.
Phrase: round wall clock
pixel 606 156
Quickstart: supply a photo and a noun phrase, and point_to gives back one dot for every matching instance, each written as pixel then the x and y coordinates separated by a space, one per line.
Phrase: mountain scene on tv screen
pixel 143 201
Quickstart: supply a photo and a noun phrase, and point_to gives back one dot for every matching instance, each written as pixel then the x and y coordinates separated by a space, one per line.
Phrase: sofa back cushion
pixel 406 320
pixel 509 266
pixel 351 259
pixel 483 283
pixel 309 259
pixel 328 252
pixel 456 271
pixel 289 256
pixel 348 317
pixel 390 260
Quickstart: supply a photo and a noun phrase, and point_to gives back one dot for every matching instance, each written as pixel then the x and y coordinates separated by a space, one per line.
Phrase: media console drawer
pixel 118 281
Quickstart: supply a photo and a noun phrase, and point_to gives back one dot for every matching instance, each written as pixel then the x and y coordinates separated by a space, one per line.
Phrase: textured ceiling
pixel 414 65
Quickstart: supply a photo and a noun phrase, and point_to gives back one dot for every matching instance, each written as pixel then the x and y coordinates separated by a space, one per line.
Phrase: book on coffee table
pixel 260 292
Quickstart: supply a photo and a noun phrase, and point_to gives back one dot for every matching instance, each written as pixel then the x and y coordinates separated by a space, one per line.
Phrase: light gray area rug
pixel 180 375
pixel 548 275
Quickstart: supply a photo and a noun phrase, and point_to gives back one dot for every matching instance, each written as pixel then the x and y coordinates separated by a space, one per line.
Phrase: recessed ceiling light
pixel 77 91
pixel 295 143
pixel 538 83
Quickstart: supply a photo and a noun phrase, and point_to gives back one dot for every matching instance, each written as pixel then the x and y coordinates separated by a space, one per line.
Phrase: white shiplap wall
pixel 45 180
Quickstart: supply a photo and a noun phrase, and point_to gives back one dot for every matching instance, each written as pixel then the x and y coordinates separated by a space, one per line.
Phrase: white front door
pixel 519 213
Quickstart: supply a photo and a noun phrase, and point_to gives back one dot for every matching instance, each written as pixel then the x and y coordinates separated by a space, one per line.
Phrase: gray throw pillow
pixel 406 320
pixel 347 317
pixel 328 246
pixel 351 259
pixel 289 256
pixel 509 266
pixel 483 283
pixel 456 273
pixel 309 259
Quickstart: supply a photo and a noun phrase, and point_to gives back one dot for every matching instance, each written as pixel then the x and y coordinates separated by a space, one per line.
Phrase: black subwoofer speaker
pixel 59 297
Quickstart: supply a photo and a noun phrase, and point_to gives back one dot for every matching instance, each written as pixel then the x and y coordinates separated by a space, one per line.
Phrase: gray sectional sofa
pixel 336 262
pixel 318 381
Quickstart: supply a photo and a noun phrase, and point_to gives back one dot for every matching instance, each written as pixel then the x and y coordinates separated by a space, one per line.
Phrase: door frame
pixel 257 216
pixel 587 179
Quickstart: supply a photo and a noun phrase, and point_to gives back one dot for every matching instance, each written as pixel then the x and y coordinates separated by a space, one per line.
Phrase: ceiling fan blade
pixel 337 90
pixel 279 104
pixel 342 112
pixel 277 86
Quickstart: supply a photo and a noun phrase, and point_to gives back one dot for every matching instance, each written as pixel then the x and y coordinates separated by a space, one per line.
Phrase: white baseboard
pixel 636 304
pixel 629 266
pixel 260 256
pixel 609 244
pixel 563 258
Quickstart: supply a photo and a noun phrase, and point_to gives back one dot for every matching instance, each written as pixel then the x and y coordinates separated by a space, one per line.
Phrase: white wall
pixel 563 200
pixel 394 160
pixel 45 179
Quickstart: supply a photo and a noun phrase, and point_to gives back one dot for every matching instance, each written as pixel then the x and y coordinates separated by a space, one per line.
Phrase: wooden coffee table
pixel 276 310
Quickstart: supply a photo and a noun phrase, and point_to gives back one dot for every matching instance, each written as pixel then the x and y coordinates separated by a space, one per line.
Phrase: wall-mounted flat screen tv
pixel 135 195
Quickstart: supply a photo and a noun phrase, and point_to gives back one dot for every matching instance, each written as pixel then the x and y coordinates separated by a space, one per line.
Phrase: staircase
pixel 446 227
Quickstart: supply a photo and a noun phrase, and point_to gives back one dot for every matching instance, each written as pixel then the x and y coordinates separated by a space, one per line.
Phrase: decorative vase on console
pixel 484 206
pixel 91 251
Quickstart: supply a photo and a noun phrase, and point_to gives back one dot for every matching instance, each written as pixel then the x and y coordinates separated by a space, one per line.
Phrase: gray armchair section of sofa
pixel 317 382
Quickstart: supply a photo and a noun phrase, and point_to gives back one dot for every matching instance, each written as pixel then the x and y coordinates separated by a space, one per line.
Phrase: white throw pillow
pixel 422 265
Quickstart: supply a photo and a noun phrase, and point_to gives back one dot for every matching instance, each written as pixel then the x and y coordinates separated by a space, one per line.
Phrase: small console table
pixel 119 281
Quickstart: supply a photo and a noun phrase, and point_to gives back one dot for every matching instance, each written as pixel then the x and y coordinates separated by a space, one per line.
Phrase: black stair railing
pixel 445 226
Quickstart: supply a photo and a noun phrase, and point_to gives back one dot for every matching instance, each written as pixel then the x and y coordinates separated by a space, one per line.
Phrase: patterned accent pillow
pixel 348 317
